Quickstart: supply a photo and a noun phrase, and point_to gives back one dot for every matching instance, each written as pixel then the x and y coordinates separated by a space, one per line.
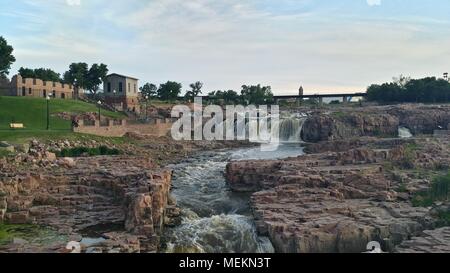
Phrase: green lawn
pixel 32 112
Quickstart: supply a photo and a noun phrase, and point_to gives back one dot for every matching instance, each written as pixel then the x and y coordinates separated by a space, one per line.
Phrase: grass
pixel 439 191
pixel 32 112
pixel 31 233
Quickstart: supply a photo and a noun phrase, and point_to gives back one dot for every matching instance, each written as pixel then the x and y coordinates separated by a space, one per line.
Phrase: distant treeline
pixel 403 89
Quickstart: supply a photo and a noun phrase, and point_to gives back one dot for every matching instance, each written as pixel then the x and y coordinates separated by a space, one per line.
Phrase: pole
pixel 48 115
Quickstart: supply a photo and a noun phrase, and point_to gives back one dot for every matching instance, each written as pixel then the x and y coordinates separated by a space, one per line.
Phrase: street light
pixel 48 112
pixel 75 88
pixel 146 107
pixel 99 103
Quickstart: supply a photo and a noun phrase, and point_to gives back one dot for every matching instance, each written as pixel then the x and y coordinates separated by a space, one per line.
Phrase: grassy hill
pixel 32 112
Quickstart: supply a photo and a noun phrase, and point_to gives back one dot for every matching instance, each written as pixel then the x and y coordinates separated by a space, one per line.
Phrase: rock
pixel 332 201
pixel 429 241
pixel 4 144
pixel 9 149
pixel 50 156
pixel 328 127
pixel 23 148
pixel 67 162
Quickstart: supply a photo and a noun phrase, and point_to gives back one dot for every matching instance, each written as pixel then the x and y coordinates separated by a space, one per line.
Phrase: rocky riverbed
pixel 347 193
pixel 358 182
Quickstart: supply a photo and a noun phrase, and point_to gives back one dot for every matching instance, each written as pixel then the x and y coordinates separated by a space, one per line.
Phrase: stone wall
pixel 114 128
pixel 27 87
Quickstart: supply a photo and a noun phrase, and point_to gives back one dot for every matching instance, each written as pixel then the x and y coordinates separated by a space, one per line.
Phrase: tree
pixel 95 76
pixel 44 74
pixel 169 90
pixel 6 57
pixel 149 90
pixel 77 75
pixel 227 97
pixel 80 75
pixel 196 89
pixel 257 94
pixel 410 90
pixel 27 72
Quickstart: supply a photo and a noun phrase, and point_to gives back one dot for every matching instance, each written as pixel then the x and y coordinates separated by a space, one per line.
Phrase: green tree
pixel 27 73
pixel 149 90
pixel 95 76
pixel 77 75
pixel 6 57
pixel 44 74
pixel 256 94
pixel 224 97
pixel 169 91
pixel 428 90
pixel 196 89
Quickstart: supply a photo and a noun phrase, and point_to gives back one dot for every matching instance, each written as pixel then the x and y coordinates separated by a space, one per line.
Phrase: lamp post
pixel 75 88
pixel 99 103
pixel 146 107
pixel 48 112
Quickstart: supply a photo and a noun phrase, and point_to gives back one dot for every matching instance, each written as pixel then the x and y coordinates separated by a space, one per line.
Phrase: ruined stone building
pixel 28 87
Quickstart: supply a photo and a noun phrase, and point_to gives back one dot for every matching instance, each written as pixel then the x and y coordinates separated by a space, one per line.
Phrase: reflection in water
pixel 216 220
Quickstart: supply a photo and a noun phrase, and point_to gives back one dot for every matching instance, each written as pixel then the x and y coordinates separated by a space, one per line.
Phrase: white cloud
pixel 73 2
pixel 373 2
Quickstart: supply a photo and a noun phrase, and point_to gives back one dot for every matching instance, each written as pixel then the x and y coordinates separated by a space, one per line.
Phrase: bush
pixel 84 151
pixel 439 191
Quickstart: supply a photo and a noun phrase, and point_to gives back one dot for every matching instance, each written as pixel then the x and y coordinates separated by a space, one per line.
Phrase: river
pixel 215 219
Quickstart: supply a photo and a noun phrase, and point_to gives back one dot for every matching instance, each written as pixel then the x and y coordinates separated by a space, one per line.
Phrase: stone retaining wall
pixel 118 128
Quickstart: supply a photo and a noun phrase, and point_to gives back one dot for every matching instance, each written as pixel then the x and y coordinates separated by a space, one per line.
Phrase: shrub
pixel 84 151
pixel 439 191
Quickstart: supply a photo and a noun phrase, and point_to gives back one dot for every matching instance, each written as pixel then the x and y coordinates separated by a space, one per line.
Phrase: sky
pixel 324 45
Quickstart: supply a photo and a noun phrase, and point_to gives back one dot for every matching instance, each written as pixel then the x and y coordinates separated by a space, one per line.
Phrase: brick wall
pixel 111 128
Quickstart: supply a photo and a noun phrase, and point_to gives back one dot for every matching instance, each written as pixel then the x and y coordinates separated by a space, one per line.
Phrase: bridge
pixel 346 97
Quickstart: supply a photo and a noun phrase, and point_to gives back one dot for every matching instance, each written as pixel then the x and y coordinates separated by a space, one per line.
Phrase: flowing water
pixel 404 132
pixel 216 220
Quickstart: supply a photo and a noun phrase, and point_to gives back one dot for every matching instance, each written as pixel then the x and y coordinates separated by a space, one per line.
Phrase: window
pixel 63 96
pixel 54 94
pixel 34 81
pixel 62 84
pixel 23 91
pixel 45 93
pixel 45 83
pixel 24 80
pixel 135 88
pixel 54 84
pixel 109 87
pixel 129 87
pixel 29 91
pixel 120 87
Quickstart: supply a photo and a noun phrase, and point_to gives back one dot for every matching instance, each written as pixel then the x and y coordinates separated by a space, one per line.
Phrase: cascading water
pixel 215 219
pixel 404 132
pixel 290 129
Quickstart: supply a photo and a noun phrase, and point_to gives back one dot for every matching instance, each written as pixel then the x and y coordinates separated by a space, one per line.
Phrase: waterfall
pixel 404 132
pixel 291 129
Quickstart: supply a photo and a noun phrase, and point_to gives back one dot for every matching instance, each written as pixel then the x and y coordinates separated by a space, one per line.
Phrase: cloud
pixel 373 2
pixel 73 2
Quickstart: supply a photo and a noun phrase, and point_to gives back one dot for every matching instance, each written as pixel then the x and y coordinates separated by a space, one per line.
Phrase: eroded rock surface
pixel 127 194
pixel 339 201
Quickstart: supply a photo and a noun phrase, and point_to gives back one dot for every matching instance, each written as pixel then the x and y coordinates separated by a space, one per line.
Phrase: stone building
pixel 122 92
pixel 27 87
